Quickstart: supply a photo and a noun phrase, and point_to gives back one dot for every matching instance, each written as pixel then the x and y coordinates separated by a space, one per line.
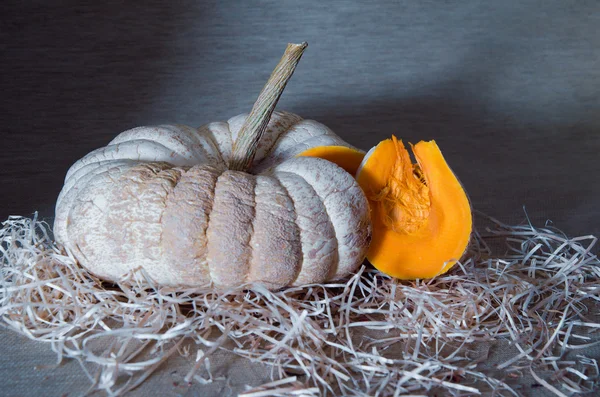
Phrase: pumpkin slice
pixel 421 215
pixel 347 158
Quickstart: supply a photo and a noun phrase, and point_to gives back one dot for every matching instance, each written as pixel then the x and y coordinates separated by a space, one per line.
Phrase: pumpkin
pixel 347 157
pixel 227 203
pixel 421 215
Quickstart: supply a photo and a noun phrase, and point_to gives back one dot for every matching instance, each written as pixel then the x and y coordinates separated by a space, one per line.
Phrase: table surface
pixel 510 91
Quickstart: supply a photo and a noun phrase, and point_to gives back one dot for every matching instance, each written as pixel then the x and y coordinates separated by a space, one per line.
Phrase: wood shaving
pixel 367 335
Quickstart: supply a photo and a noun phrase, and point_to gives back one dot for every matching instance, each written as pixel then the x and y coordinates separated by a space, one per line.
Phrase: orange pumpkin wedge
pixel 347 158
pixel 421 215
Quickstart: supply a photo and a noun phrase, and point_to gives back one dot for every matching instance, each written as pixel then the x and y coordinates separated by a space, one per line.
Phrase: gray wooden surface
pixel 509 89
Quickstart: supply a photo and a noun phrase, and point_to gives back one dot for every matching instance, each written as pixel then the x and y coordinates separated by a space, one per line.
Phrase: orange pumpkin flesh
pixel 421 215
pixel 347 158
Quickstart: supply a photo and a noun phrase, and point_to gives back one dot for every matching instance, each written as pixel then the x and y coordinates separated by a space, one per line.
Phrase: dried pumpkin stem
pixel 247 142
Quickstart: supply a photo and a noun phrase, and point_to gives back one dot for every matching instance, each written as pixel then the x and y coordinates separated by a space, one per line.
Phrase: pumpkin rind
pixel 161 198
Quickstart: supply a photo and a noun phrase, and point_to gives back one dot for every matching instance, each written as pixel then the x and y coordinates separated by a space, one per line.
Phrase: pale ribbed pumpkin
pixel 227 203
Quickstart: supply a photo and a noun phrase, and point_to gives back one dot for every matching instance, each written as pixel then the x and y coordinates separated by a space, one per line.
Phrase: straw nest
pixel 533 288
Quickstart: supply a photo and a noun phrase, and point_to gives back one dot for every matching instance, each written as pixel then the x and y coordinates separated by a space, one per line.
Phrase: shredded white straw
pixel 532 290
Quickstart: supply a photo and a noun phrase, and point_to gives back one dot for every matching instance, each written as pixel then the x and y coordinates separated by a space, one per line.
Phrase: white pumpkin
pixel 164 199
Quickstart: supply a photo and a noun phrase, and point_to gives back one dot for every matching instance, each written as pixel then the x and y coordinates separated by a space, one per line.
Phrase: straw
pixel 367 335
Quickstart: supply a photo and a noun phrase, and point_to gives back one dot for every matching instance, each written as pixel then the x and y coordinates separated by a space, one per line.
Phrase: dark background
pixel 509 89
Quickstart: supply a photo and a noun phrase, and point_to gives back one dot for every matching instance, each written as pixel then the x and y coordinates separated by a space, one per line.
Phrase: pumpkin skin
pixel 161 198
